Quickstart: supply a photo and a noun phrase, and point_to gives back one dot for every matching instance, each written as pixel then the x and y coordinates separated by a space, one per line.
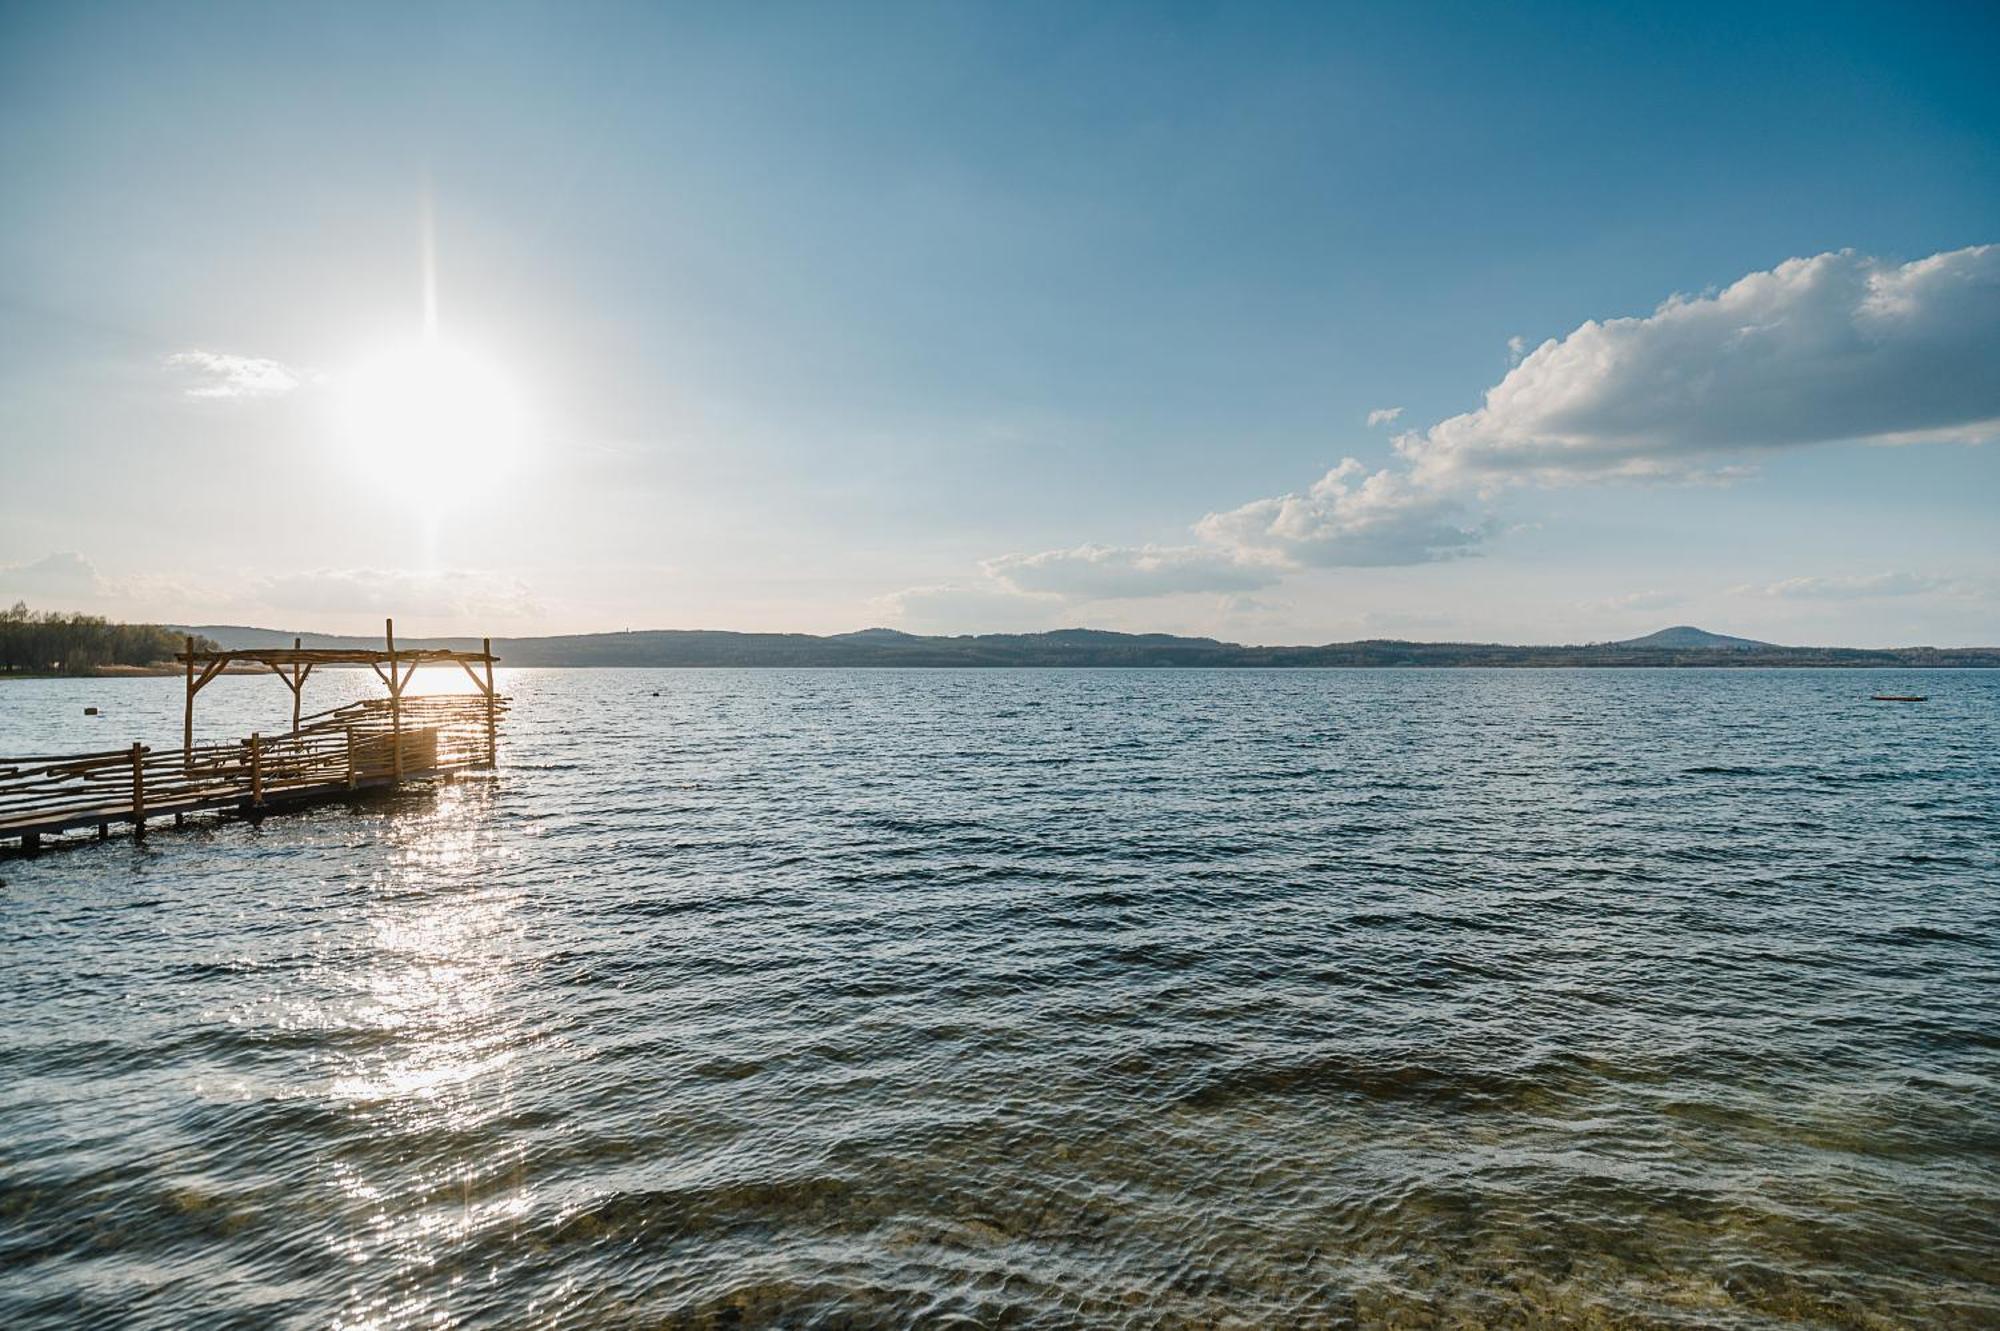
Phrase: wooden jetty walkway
pixel 364 745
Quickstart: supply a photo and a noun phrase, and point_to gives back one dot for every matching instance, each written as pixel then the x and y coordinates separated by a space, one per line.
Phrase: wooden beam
pixel 209 672
pixel 138 790
pixel 492 726
pixel 395 701
pixel 187 722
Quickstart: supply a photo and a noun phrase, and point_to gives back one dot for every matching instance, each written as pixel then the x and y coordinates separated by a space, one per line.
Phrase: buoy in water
pixel 90 711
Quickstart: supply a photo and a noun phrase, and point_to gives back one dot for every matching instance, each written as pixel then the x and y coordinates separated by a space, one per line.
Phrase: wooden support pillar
pixel 187 722
pixel 298 682
pixel 492 728
pixel 395 700
pixel 256 770
pixel 138 790
pixel 350 757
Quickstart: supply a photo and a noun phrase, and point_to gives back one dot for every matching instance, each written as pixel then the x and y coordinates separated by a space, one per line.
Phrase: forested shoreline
pixel 51 642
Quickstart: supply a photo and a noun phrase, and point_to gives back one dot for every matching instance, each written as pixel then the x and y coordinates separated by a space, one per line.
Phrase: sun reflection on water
pixel 435 1030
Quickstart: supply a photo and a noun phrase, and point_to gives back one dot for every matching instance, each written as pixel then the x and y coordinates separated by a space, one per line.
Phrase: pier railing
pixel 365 744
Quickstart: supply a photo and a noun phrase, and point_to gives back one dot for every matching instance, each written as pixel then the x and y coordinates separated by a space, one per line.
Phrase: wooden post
pixel 256 770
pixel 138 790
pixel 298 682
pixel 187 722
pixel 492 730
pixel 395 700
pixel 350 757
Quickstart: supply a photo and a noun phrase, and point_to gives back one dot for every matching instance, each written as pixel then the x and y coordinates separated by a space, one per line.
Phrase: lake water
pixel 1033 999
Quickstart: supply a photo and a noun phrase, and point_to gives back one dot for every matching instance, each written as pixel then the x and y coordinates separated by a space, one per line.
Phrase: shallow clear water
pixel 1043 999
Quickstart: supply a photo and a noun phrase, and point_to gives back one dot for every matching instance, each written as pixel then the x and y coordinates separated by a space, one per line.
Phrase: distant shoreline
pixel 1991 662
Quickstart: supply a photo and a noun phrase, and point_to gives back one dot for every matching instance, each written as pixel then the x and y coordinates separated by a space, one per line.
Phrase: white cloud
pixel 1860 586
pixel 1834 347
pixel 442 594
pixel 1350 518
pixel 1384 416
pixel 65 575
pixel 1107 572
pixel 69 581
pixel 1517 347
pixel 980 606
pixel 215 374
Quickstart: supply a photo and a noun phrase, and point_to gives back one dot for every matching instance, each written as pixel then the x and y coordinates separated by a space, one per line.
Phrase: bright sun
pixel 432 418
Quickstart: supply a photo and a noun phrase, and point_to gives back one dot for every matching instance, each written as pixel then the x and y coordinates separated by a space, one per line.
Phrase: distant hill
pixel 1681 646
pixel 1683 637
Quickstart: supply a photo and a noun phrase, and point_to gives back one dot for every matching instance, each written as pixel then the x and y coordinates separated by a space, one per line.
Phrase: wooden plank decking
pixel 362 746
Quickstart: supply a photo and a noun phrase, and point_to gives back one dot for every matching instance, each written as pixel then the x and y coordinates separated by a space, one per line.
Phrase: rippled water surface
pixel 1039 999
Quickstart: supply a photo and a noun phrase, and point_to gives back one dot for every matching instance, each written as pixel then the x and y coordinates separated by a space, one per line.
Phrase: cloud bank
pixel 1867 586
pixel 1108 572
pixel 1834 347
pixel 64 575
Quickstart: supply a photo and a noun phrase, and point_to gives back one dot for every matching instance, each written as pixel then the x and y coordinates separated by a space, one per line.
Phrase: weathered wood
pixel 356 746
pixel 395 696
pixel 324 655
pixel 492 722
pixel 187 722
pixel 139 789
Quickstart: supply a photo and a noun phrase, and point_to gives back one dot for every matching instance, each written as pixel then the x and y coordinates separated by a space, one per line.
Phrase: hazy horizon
pixel 1540 325
pixel 406 635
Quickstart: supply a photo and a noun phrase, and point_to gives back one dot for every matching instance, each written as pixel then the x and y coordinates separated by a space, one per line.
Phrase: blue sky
pixel 958 317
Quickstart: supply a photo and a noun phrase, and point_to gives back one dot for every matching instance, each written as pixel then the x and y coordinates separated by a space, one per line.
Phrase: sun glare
pixel 433 418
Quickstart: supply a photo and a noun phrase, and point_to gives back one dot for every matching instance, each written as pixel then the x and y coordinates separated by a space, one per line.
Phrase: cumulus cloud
pixel 1109 572
pixel 1384 416
pixel 1349 518
pixel 1860 586
pixel 214 374
pixel 1834 347
pixel 443 594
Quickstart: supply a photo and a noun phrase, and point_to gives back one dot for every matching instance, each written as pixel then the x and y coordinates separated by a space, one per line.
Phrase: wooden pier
pixel 366 745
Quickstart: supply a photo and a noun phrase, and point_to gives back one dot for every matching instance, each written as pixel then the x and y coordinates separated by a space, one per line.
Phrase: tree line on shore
pixel 50 642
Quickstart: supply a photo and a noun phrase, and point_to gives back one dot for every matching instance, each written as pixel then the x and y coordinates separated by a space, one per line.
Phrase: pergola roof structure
pixel 279 657
pixel 293 665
